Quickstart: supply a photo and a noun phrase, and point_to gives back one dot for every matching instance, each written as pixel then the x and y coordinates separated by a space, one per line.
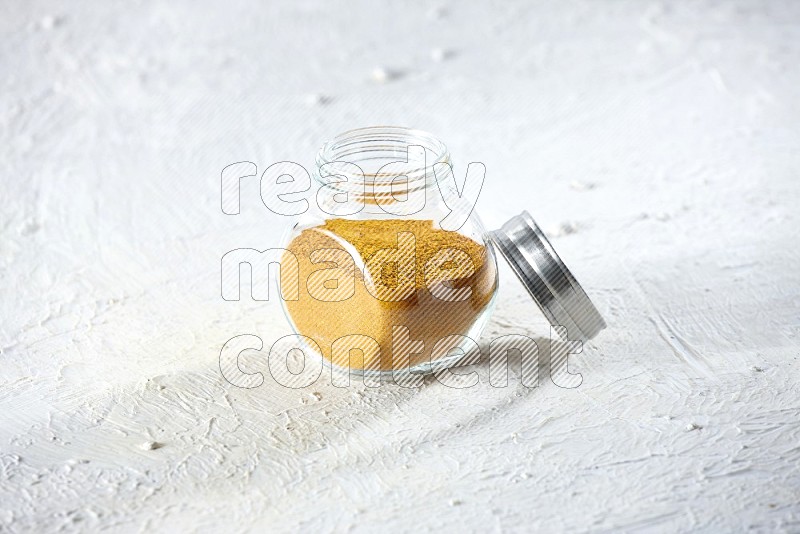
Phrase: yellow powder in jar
pixel 449 282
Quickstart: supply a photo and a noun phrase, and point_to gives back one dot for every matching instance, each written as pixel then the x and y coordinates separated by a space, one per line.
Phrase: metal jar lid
pixel 547 279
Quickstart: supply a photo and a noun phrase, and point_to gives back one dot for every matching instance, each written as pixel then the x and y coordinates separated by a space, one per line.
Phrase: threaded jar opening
pixel 361 156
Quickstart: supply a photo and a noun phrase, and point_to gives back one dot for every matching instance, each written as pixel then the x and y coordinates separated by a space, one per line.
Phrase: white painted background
pixel 657 141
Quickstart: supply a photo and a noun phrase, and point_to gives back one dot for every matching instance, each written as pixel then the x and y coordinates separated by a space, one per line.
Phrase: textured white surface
pixel 658 140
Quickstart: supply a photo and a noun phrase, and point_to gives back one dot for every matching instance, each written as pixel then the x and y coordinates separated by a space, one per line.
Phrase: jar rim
pixel 360 141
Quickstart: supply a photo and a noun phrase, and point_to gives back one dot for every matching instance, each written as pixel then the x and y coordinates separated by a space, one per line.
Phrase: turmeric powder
pixel 361 279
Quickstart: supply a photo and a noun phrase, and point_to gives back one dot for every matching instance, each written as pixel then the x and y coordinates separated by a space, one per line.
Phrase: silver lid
pixel 547 279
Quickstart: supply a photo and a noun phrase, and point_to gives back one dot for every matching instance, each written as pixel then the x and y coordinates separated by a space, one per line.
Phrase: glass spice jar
pixel 396 271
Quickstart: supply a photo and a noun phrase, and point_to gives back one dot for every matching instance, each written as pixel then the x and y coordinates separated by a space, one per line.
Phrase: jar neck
pixel 384 166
